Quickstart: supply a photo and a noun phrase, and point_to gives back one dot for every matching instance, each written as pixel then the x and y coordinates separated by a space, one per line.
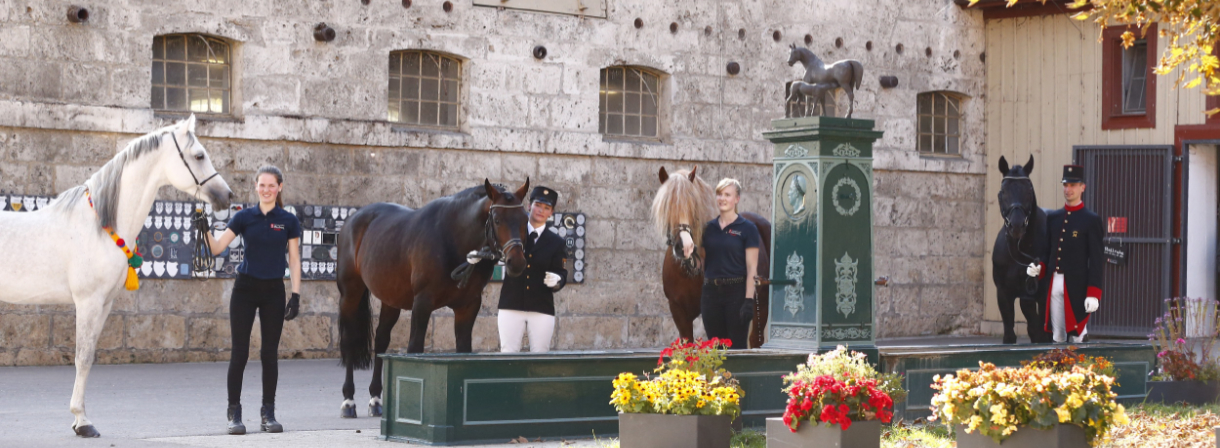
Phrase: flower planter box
pixel 674 431
pixel 866 434
pixel 1061 436
pixel 1189 392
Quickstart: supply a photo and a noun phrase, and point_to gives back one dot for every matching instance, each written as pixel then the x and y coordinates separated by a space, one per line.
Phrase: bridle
pixel 1008 225
pixel 181 155
pixel 491 244
pixel 692 266
pixel 1007 212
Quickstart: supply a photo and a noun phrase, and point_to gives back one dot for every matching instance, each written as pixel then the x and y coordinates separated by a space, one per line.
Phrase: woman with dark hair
pixel 259 288
pixel 730 245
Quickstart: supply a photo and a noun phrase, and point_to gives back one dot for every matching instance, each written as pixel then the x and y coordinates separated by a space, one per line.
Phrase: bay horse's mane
pixel 682 200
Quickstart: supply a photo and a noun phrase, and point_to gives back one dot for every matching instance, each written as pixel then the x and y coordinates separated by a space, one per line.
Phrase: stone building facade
pixel 72 94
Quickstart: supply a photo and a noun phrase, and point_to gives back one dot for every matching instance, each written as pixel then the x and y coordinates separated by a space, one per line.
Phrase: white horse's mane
pixel 107 180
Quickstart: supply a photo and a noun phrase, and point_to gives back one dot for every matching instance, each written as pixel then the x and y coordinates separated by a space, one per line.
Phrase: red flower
pixel 829 414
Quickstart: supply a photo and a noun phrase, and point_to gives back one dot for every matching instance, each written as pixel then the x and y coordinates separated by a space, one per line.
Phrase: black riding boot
pixel 269 423
pixel 235 425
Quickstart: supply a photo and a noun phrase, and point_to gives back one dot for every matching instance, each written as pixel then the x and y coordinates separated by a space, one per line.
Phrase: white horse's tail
pixel 857 73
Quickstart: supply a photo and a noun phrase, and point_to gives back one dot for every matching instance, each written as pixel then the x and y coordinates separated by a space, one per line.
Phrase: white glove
pixel 688 244
pixel 551 279
pixel 1090 304
pixel 473 257
pixel 1033 270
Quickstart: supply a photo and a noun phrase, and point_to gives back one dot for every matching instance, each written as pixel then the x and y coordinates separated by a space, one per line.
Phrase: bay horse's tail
pixel 356 332
pixel 857 73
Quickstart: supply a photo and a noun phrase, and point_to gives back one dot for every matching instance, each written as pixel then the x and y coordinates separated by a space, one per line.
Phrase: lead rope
pixel 201 255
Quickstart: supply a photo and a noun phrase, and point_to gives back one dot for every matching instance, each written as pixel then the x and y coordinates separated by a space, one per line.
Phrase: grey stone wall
pixel 73 94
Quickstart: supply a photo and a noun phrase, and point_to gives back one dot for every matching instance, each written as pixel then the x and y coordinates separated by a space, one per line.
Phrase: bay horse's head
pixel 1017 200
pixel 188 167
pixel 506 225
pixel 682 205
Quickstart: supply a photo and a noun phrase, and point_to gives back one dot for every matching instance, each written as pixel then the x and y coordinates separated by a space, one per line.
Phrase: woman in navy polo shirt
pixel 731 245
pixel 267 230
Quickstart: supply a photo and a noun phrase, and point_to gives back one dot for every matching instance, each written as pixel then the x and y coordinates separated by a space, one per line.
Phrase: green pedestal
pixel 822 243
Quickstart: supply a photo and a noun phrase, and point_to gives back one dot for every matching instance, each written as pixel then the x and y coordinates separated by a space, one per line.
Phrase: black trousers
pixel 721 310
pixel 266 298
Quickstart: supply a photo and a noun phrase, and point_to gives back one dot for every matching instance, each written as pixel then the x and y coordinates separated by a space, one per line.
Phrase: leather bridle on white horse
pixel 182 156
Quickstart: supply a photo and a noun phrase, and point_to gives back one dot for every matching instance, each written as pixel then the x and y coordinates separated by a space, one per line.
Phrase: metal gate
pixel 1130 187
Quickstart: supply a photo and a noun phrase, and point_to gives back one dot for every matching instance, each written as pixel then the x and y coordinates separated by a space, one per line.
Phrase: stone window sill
pixel 206 117
pixel 634 140
pixel 453 132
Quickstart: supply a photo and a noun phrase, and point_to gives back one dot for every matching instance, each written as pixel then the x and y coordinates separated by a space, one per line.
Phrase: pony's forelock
pixel 681 200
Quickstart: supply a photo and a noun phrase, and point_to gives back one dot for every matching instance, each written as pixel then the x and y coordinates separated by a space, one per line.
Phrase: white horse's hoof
pixel 374 407
pixel 87 431
pixel 347 409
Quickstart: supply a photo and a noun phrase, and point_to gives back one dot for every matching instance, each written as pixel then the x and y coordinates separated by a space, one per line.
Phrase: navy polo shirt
pixel 266 237
pixel 725 249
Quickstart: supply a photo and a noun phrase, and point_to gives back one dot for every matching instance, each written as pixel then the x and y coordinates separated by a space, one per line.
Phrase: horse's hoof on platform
pixel 348 411
pixel 87 431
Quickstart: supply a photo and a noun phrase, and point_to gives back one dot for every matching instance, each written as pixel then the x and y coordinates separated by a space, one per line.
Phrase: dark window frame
pixel 447 98
pixel 1112 115
pixel 626 112
pixel 215 85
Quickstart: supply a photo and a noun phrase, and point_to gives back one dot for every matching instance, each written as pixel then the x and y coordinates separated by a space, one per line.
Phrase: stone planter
pixel 674 431
pixel 1061 436
pixel 1189 392
pixel 866 434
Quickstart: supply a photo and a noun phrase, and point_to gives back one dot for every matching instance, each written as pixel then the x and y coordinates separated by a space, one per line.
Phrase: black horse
pixel 416 260
pixel 1019 244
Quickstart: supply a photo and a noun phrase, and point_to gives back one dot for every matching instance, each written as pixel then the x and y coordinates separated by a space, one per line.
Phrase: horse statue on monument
pixel 1018 245
pixel 416 260
pixel 66 252
pixel 680 209
pixel 846 74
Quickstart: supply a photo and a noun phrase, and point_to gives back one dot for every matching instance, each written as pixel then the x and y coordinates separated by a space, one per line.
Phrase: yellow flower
pixel 1064 415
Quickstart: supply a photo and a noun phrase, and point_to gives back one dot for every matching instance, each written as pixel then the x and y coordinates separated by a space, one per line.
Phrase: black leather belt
pixel 724 281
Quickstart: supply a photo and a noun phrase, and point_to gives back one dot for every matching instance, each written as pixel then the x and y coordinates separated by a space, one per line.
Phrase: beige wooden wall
pixel 1043 78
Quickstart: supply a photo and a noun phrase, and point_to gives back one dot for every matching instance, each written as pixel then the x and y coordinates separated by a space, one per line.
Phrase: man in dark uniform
pixel 1073 261
pixel 528 300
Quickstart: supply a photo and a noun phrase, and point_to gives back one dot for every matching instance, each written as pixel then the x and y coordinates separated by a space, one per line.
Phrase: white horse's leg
pixel 90 317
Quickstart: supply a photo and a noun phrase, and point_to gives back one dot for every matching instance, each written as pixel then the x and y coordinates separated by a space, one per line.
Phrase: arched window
pixel 424 89
pixel 629 102
pixel 939 128
pixel 191 73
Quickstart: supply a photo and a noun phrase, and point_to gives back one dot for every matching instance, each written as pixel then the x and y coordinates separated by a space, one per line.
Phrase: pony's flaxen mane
pixel 679 200
pixel 106 181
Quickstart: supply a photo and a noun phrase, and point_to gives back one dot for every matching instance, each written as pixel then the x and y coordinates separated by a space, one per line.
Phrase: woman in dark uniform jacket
pixel 259 288
pixel 528 300
pixel 730 245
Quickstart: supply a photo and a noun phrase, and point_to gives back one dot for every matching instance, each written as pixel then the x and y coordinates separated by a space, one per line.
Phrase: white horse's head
pixel 188 167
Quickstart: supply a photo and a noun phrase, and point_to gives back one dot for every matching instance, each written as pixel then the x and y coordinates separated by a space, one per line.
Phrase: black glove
pixel 293 307
pixel 747 310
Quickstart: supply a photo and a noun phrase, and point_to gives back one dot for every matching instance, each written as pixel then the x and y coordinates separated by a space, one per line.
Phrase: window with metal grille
pixel 191 73
pixel 629 102
pixel 424 89
pixel 940 116
pixel 1135 74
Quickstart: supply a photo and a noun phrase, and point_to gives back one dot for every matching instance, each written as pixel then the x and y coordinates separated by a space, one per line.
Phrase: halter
pixel 182 156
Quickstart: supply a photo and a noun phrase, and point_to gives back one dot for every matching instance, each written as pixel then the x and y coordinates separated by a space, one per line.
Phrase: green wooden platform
pixel 463 399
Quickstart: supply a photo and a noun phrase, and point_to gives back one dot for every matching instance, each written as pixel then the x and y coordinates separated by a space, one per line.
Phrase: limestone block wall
pixel 71 95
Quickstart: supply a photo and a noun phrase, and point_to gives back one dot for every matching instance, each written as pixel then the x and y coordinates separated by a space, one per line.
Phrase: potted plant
pixel 1032 406
pixel 691 402
pixel 838 388
pixel 1187 370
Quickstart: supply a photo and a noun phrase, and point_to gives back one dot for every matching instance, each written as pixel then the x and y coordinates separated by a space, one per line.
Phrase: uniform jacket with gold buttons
pixel 1074 249
pixel 527 292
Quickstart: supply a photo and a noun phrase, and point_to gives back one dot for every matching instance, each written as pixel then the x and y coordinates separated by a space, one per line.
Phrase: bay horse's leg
pixel 1004 299
pixel 421 313
pixel 90 318
pixel 381 343
pixel 347 409
pixel 354 307
pixel 463 326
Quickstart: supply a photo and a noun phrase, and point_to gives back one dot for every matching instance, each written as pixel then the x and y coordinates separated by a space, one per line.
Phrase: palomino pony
pixel 847 73
pixel 64 254
pixel 1018 244
pixel 405 257
pixel 682 206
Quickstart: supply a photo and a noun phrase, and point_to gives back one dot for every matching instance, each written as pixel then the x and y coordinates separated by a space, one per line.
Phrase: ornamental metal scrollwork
pixel 834 196
pixel 845 281
pixel 846 150
pixel 845 333
pixel 794 294
pixel 796 151
pixel 794 333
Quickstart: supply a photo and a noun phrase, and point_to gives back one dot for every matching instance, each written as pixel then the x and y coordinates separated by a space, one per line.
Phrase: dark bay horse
pixel 405 257
pixel 1018 244
pixel 683 204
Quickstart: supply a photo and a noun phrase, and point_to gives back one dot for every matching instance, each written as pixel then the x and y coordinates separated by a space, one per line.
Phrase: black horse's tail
pixel 356 332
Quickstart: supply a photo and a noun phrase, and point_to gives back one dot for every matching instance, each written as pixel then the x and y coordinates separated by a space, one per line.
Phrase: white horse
pixel 64 254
